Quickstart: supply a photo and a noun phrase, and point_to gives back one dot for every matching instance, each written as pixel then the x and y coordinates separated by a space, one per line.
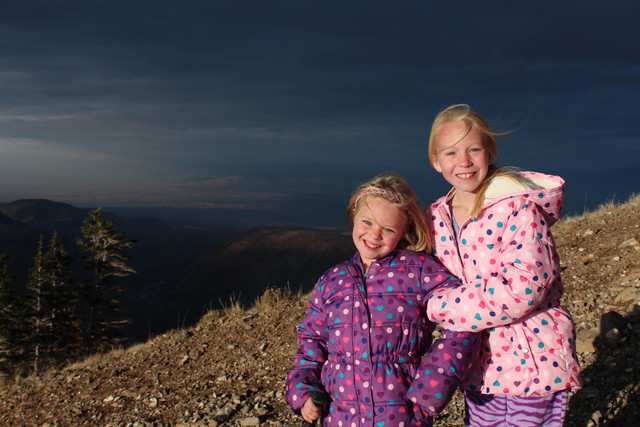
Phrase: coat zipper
pixel 452 231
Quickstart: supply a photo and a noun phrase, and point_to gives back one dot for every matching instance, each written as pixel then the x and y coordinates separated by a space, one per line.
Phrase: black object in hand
pixel 319 399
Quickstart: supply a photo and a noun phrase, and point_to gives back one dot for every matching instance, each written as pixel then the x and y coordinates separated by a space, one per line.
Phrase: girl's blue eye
pixel 366 222
pixel 389 230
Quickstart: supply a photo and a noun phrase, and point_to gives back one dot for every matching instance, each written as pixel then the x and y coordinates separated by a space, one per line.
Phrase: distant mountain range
pixel 183 270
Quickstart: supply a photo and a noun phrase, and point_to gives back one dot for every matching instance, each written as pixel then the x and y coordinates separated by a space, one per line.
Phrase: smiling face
pixel 465 163
pixel 378 227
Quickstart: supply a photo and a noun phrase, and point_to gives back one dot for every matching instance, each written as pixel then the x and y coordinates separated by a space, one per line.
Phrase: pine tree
pixel 62 323
pixel 10 345
pixel 105 258
pixel 36 306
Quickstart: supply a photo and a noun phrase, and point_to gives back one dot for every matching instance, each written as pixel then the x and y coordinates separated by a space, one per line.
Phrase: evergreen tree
pixel 10 348
pixel 53 330
pixel 63 326
pixel 105 258
pixel 36 305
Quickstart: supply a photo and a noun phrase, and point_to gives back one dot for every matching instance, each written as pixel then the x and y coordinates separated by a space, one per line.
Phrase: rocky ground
pixel 230 369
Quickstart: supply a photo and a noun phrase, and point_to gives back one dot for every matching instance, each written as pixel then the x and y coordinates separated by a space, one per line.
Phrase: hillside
pixel 230 369
pixel 183 269
pixel 260 258
pixel 163 250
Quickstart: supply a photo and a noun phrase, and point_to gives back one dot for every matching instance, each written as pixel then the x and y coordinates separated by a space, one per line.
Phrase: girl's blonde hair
pixel 461 113
pixel 395 190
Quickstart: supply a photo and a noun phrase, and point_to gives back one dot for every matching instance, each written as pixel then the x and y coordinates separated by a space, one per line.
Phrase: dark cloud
pixel 158 99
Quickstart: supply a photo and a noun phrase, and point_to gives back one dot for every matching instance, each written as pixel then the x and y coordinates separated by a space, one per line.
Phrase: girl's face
pixel 378 226
pixel 465 164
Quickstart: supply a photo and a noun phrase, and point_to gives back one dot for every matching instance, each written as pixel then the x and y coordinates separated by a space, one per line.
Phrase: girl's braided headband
pixel 389 194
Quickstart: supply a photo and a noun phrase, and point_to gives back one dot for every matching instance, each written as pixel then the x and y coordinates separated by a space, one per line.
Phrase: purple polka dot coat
pixel 367 342
pixel 512 289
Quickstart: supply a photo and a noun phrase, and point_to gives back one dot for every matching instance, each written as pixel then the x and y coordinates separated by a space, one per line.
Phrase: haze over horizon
pixel 272 112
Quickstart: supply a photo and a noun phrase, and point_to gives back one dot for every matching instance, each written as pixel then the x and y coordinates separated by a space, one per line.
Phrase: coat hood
pixel 546 191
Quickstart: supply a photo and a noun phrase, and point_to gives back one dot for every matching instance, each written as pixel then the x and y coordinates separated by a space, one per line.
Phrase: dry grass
pixel 102 359
pixel 634 199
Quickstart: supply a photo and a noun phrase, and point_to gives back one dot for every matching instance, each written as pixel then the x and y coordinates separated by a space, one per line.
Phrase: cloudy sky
pixel 275 110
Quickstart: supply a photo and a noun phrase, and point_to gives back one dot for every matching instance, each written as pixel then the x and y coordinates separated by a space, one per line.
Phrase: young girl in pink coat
pixel 493 231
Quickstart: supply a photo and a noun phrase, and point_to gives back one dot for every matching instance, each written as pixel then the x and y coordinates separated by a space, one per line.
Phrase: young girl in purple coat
pixel 493 231
pixel 366 340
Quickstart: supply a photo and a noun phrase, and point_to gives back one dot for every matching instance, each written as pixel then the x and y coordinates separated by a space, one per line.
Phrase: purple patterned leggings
pixel 499 410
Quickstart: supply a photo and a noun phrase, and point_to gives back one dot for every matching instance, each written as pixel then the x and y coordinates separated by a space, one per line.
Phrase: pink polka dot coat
pixel 367 342
pixel 512 289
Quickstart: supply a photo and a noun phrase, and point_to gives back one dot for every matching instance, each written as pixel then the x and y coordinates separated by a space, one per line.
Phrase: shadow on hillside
pixel 611 392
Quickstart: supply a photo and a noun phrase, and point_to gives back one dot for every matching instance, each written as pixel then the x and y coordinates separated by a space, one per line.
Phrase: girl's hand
pixel 310 412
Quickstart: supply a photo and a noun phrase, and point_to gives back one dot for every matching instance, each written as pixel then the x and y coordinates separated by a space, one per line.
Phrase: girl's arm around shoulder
pixel 442 369
pixel 510 278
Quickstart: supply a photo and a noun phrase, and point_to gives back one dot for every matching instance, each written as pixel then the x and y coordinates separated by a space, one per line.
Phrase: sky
pixel 272 112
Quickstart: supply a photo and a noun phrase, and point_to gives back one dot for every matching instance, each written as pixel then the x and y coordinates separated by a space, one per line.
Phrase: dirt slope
pixel 230 369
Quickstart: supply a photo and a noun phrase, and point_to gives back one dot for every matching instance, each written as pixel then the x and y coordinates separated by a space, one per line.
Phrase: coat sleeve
pixel 525 268
pixel 442 369
pixel 304 378
pixel 435 276
pixel 447 360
